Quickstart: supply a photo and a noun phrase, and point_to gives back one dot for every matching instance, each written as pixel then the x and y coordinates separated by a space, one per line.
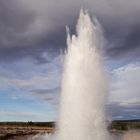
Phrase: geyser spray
pixel 84 85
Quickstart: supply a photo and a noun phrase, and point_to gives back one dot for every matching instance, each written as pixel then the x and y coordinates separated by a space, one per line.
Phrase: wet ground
pixel 22 133
pixel 29 133
pixel 34 137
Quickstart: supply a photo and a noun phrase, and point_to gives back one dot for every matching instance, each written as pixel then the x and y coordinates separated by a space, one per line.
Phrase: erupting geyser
pixel 84 85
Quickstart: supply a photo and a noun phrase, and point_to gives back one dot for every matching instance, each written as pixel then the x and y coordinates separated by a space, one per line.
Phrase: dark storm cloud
pixel 14 21
pixel 24 33
pixel 118 111
pixel 12 54
pixel 29 28
pixel 125 44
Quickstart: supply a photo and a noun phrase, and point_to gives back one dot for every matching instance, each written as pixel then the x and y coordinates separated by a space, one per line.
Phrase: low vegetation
pixel 124 124
pixel 28 124
pixel 115 125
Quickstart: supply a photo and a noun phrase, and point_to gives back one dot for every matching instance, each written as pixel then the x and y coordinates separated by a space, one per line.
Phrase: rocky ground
pixel 22 133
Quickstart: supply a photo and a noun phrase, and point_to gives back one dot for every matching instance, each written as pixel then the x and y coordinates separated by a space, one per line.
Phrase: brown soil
pixel 22 133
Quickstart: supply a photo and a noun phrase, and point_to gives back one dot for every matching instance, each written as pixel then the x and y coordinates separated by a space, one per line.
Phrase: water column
pixel 84 85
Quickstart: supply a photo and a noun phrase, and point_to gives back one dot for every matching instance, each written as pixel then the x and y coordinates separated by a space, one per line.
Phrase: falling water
pixel 84 85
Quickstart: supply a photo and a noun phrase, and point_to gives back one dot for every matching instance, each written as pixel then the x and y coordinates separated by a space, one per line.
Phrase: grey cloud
pixel 14 22
pixel 11 54
pixel 117 111
pixel 45 91
pixel 29 28
pixel 126 43
pixel 48 95
pixel 125 85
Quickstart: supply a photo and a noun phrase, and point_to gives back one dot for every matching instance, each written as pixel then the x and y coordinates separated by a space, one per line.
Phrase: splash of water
pixel 84 85
pixel 84 88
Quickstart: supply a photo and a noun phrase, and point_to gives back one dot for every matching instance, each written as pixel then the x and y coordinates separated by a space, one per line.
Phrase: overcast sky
pixel 32 37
